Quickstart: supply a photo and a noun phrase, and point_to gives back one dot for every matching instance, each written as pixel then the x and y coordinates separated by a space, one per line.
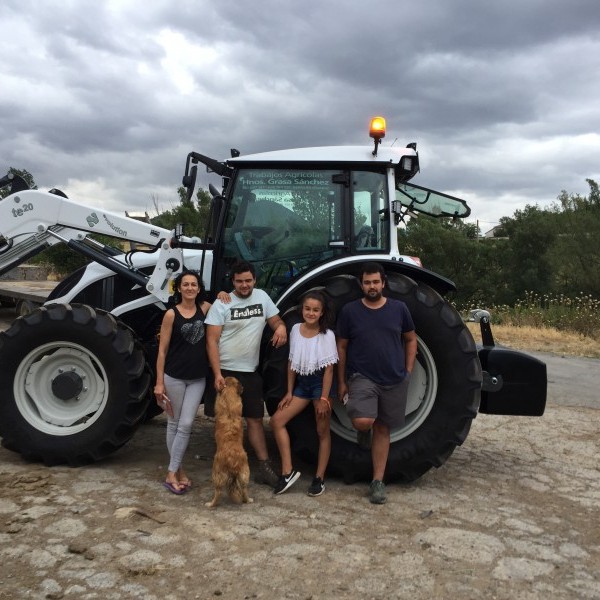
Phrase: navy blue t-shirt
pixel 375 348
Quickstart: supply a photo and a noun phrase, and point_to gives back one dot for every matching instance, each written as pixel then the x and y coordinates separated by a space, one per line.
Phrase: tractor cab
pixel 289 211
pixel 288 220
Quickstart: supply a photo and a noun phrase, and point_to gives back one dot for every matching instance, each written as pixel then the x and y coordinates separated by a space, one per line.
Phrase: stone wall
pixel 27 273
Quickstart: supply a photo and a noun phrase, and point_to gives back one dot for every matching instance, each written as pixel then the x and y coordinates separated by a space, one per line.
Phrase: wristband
pixel 326 400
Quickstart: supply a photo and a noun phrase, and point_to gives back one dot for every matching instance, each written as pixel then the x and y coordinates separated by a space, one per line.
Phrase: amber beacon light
pixel 377 131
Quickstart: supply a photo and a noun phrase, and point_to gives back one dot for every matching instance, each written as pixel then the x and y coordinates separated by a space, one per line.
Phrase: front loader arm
pixel 31 221
pixel 32 212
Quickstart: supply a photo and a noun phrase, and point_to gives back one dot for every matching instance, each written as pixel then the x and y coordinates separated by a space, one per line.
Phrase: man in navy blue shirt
pixel 377 345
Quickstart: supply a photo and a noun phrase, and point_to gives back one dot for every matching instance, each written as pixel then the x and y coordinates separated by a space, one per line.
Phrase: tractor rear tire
pixel 73 385
pixel 444 393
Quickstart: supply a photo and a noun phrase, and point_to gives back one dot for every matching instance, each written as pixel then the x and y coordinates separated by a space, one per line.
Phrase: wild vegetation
pixel 580 314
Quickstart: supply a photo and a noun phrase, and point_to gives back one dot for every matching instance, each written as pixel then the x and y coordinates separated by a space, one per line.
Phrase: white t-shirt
pixel 243 321
pixel 308 355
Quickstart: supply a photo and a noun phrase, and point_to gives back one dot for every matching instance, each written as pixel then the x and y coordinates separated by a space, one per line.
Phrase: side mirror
pixel 189 177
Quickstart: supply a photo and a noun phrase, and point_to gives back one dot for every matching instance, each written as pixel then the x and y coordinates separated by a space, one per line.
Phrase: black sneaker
pixel 266 474
pixel 286 482
pixel 364 439
pixel 317 487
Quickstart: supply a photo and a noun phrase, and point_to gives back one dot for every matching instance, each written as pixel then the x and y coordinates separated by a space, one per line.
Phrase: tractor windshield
pixel 286 221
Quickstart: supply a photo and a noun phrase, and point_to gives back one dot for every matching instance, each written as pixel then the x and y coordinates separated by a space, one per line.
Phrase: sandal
pixel 173 489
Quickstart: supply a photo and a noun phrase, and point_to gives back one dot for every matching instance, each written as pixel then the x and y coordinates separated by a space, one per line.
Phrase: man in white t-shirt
pixel 233 335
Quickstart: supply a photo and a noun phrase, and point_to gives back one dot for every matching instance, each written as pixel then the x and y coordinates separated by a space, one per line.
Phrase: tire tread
pixel 116 338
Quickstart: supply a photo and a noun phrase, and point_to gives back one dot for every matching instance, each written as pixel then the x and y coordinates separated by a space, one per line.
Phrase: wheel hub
pixel 422 392
pixel 63 387
pixel 67 386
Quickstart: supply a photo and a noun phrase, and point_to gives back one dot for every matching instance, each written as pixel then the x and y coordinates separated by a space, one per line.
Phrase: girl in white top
pixel 313 353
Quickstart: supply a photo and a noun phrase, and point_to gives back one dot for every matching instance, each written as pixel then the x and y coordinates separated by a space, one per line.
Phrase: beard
pixel 373 296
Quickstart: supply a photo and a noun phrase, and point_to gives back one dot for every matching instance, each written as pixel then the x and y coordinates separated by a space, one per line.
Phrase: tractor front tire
pixel 73 385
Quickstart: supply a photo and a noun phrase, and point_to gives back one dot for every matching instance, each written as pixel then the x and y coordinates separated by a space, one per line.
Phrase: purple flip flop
pixel 173 489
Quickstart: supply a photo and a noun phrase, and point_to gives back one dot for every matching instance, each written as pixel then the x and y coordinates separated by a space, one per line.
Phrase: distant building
pixel 492 232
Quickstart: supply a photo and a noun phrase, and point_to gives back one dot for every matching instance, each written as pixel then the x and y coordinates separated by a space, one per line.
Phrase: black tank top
pixel 186 357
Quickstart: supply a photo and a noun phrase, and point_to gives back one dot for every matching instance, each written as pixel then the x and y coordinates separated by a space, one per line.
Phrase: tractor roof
pixel 328 154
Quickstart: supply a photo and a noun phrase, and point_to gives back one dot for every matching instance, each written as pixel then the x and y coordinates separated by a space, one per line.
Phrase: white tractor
pixel 75 373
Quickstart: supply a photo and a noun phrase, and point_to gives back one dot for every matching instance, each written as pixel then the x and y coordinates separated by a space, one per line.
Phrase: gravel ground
pixel 512 514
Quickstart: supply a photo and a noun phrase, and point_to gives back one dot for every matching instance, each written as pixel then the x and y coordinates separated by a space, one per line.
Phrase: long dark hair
pixel 176 297
pixel 326 319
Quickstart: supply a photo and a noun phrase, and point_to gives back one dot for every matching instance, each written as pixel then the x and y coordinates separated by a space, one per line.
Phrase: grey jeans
pixel 185 396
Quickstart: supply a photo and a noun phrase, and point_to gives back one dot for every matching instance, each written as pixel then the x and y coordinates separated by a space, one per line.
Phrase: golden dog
pixel 230 469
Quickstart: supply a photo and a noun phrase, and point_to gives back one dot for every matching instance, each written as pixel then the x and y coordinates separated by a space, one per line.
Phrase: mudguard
pixel 514 383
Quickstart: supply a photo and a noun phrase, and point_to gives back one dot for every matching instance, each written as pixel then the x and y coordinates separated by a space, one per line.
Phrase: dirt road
pixel 512 514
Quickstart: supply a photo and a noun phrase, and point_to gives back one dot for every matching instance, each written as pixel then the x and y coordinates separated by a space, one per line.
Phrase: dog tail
pixel 237 486
pixel 236 492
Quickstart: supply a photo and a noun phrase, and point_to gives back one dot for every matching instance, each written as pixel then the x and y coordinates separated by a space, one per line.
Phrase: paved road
pixel 571 381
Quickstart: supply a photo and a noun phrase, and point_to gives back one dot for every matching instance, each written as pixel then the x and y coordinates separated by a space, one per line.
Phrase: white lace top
pixel 308 355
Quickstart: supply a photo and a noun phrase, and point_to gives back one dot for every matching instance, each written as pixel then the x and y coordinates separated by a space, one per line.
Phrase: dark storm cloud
pixel 107 98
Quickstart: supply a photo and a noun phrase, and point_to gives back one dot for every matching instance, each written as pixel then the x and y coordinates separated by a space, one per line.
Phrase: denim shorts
pixel 309 387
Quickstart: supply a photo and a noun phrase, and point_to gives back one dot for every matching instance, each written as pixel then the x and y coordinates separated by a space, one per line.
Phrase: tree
pixel 451 248
pixel 193 214
pixel 576 254
pixel 546 251
pixel 532 233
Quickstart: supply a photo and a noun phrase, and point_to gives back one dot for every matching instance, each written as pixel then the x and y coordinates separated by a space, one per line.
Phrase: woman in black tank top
pixel 181 368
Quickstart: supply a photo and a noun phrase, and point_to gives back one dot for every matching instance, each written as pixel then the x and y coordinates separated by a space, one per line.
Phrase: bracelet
pixel 326 400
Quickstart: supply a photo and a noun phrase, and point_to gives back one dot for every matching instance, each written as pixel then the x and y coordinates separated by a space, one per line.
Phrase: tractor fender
pixel 352 266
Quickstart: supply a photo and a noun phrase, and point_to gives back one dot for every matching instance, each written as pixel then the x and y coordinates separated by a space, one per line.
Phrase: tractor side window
pixel 370 211
pixel 285 221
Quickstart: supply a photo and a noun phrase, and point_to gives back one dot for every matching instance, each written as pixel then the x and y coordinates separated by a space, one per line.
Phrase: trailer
pixel 25 296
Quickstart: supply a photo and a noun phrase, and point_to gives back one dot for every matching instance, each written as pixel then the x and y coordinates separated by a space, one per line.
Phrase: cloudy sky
pixel 105 99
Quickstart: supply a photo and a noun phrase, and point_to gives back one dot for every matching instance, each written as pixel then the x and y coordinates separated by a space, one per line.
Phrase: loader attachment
pixel 513 383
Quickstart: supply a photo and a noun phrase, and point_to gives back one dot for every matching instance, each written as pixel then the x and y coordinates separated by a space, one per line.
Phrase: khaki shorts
pixel 384 403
